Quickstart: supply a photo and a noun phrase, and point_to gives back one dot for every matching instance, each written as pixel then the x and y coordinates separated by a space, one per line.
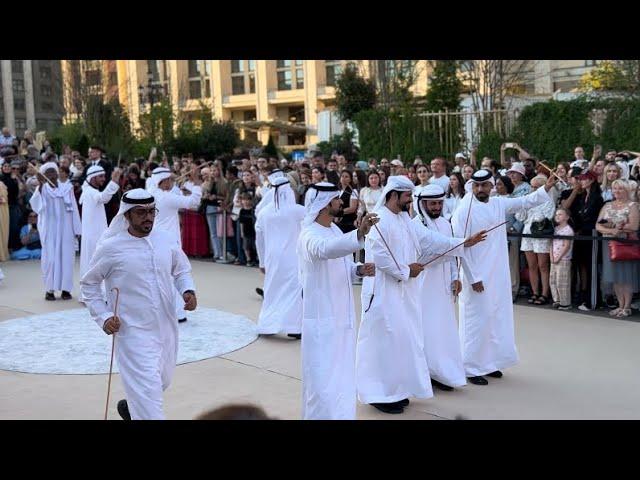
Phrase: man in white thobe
pixel 486 311
pixel 328 312
pixel 277 230
pixel 439 288
pixel 267 192
pixel 146 265
pixel 94 217
pixel 390 361
pixel 59 226
pixel 169 202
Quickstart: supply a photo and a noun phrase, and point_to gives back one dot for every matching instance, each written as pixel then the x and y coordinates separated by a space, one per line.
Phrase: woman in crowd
pixel 349 198
pixel 536 250
pixel 619 218
pixel 454 194
pixel 504 186
pixel 359 179
pixel 30 240
pixel 13 192
pixel 132 179
pixel 214 191
pixel 385 172
pixel 369 195
pixel 423 175
pixel 4 222
pixel 305 182
pixel 467 171
pixel 584 201
pixel 612 172
pixel 412 175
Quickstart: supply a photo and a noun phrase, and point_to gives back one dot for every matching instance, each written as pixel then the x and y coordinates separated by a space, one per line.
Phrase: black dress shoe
pixel 391 408
pixel 478 380
pixel 182 320
pixel 496 374
pixel 65 295
pixel 441 386
pixel 123 410
pixel 49 296
pixel 297 336
pixel 260 292
pixel 403 403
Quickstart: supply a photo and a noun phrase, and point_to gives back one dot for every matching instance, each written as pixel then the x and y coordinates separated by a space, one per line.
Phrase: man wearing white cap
pixel 460 162
pixel 146 265
pixel 277 231
pixel 486 310
pixel 390 361
pixel 94 218
pixel 168 203
pixel 59 225
pixel 439 287
pixel 328 311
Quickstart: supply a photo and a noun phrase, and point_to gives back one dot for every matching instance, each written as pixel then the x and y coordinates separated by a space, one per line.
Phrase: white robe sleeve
pixel 184 201
pixel 91 285
pixel 433 243
pixel 512 205
pixel 383 260
pixel 260 240
pixel 107 193
pixel 325 248
pixel 181 271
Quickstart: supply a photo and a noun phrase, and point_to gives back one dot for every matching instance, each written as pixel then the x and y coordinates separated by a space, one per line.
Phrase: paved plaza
pixel 573 366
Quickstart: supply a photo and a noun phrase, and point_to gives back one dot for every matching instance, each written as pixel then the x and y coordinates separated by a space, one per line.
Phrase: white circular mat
pixel 70 342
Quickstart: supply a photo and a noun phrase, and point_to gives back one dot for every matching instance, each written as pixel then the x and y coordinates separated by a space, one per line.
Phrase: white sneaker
pixel 584 307
pixel 635 306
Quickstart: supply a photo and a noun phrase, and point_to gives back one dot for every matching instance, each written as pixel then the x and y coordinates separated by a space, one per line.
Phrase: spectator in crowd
pixel 424 174
pixel 333 177
pixel 536 250
pixel 584 201
pixel 612 172
pixel 4 222
pixel 579 161
pixel 504 186
pixel 342 162
pixel 394 166
pixel 529 165
pixel 132 179
pixel 439 170
pixel 303 187
pixel 64 174
pixel 247 222
pixel 455 192
pixel 359 179
pixel 332 165
pixel 317 160
pixel 369 195
pixel 348 213
pixel 411 173
pixel 460 161
pixel 598 169
pixel 248 187
pixel 418 161
pixel 518 175
pixel 620 218
pixel 467 171
pixel 492 165
pixel 30 240
pixel 6 138
pixel 385 173
pixel 560 257
pixel 15 213
pixel 214 194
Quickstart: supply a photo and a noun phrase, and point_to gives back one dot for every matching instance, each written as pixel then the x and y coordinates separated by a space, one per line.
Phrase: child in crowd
pixel 247 220
pixel 560 275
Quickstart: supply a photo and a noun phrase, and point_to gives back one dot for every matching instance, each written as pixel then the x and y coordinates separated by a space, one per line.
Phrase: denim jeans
pixel 212 220
pixel 241 256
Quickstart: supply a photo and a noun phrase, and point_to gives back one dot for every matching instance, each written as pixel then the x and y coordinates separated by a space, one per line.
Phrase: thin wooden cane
pixel 466 224
pixel 185 175
pixel 452 249
pixel 47 179
pixel 113 347
pixel 551 171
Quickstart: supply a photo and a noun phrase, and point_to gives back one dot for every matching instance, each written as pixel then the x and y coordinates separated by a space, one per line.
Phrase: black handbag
pixel 544 227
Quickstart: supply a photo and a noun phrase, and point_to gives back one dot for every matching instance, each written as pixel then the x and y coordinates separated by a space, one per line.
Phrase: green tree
pixel 271 149
pixel 614 76
pixel 353 94
pixel 108 125
pixel 445 87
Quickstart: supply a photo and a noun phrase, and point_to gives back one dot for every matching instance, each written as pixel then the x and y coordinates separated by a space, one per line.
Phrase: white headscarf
pixel 395 182
pixel 429 192
pixel 93 171
pixel 133 198
pixel 283 195
pixel 48 166
pixel 159 174
pixel 320 195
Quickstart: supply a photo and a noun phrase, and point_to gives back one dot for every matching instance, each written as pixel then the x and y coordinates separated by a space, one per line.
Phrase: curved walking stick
pixel 113 345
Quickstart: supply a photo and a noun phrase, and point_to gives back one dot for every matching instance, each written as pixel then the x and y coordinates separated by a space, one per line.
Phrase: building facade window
pixel 46 106
pixel 290 74
pixel 199 74
pixel 21 124
pixel 243 77
pixel 16 66
pixel 45 72
pixel 18 104
pixel 333 70
pixel 590 63
pixel 45 90
pixel 18 85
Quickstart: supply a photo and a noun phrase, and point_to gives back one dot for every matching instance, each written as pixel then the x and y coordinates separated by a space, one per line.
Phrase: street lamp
pixel 154 91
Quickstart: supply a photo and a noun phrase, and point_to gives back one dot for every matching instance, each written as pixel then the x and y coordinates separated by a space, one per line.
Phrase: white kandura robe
pixel 168 204
pixel 58 225
pixel 147 271
pixel 277 233
pixel 439 324
pixel 390 360
pixel 328 324
pixel 486 319
pixel 94 220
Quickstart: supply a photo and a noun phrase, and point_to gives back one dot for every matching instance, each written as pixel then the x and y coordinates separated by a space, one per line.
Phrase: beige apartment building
pixel 289 100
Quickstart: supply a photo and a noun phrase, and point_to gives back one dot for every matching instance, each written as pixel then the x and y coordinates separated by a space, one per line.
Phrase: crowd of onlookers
pixel 597 194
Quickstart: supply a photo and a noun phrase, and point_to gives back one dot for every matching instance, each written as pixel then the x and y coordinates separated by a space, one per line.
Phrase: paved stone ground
pixel 573 366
